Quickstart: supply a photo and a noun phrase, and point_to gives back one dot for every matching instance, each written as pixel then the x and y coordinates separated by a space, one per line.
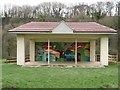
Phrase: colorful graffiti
pixel 61 51
pixel 83 51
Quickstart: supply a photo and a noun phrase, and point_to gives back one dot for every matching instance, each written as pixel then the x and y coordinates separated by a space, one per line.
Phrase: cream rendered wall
pixel 92 50
pixel 104 50
pixel 63 36
pixel 20 50
pixel 32 51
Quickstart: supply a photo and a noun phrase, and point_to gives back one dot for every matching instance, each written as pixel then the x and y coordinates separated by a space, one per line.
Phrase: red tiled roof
pixel 86 27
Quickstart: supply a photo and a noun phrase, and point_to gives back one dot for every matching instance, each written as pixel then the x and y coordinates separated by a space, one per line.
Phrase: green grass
pixel 0 74
pixel 56 77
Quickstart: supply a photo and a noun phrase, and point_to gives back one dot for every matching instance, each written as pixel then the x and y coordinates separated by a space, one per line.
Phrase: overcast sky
pixel 35 2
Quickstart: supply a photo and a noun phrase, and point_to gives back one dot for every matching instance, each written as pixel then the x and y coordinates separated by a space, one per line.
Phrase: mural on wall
pixel 83 51
pixel 61 51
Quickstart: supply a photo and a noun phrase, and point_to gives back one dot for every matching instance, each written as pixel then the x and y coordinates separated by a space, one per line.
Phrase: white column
pixel 76 51
pixel 104 50
pixel 20 50
pixel 32 51
pixel 48 51
pixel 92 50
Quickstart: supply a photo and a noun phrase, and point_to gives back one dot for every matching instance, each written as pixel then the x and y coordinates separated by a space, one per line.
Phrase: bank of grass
pixel 55 77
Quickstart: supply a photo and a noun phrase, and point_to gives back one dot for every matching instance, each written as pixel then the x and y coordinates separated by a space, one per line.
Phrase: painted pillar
pixel 104 50
pixel 32 51
pixel 20 50
pixel 76 51
pixel 48 51
pixel 92 50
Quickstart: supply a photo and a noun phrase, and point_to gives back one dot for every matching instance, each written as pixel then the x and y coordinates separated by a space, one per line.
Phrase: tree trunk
pixel 119 31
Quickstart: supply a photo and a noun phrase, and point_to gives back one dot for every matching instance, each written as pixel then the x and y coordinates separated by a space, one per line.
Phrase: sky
pixel 36 2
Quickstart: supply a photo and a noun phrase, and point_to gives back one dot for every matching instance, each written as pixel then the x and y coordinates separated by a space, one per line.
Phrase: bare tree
pixel 100 6
pixel 99 11
pixel 44 8
pixel 56 8
pixel 109 7
pixel 27 11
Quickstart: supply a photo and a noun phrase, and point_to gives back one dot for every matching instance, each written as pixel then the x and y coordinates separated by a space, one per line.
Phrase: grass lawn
pixel 56 77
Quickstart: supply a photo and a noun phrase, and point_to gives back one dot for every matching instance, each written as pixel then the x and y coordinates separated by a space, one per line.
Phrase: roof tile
pixel 49 26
